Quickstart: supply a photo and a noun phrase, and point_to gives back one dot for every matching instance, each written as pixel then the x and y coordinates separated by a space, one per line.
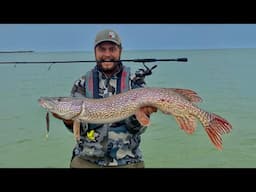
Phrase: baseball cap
pixel 107 35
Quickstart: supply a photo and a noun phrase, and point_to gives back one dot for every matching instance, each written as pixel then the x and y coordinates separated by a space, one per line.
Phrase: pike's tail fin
pixel 216 127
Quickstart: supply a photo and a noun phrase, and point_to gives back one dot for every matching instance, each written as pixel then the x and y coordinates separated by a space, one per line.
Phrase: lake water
pixel 224 78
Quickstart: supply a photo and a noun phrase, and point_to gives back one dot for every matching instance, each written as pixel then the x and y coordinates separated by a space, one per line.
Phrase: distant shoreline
pixel 16 51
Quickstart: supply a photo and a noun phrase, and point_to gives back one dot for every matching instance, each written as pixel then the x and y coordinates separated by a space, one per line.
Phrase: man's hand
pixel 148 110
pixel 143 115
pixel 68 122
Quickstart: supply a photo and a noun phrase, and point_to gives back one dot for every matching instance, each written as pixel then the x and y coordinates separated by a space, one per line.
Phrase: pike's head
pixel 65 107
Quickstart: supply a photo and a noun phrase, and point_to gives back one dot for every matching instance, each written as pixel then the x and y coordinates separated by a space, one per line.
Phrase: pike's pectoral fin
pixel 187 123
pixel 142 117
pixel 76 129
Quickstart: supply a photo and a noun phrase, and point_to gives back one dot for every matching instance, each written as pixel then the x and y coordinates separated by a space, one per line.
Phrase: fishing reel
pixel 145 72
pixel 142 73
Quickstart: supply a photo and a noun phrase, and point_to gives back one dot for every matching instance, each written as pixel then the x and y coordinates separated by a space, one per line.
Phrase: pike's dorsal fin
pixel 187 123
pixel 189 95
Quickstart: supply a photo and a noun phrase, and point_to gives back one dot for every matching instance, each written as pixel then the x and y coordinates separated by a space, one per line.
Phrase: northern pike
pixel 180 103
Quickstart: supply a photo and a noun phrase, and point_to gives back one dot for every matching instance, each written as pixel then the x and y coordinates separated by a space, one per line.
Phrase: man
pixel 113 145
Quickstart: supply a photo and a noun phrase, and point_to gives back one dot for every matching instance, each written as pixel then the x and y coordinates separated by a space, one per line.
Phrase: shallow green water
pixel 223 78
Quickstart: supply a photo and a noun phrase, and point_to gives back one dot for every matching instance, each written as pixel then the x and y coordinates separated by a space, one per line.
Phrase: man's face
pixel 108 51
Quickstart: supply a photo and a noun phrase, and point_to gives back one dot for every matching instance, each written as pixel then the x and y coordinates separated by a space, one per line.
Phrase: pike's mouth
pixel 45 104
pixel 41 101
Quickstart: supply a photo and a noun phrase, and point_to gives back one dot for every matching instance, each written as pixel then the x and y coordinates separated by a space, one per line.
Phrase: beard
pixel 108 69
pixel 108 66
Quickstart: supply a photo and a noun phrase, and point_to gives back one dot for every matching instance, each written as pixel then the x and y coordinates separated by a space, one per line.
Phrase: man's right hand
pixel 68 122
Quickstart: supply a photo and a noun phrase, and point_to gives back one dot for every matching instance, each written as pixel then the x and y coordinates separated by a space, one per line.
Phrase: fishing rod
pixel 91 61
pixel 147 60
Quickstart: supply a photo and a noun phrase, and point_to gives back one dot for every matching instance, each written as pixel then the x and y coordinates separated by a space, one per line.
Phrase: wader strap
pixel 123 82
pixel 92 84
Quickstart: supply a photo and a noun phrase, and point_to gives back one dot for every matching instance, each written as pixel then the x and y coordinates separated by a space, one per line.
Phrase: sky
pixel 80 37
